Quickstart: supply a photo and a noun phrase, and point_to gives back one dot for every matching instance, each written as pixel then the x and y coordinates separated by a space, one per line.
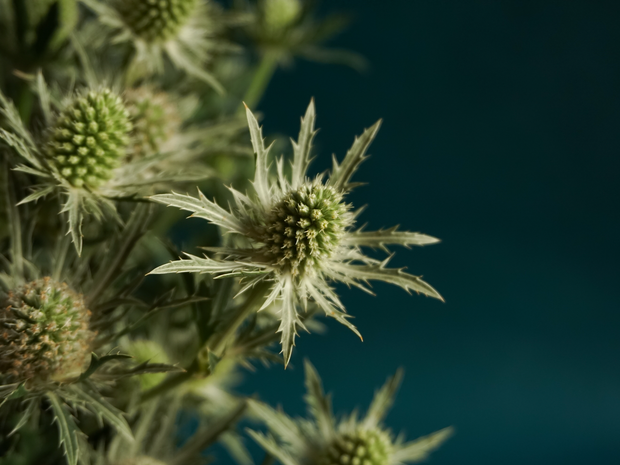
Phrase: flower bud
pixel 45 335
pixel 156 20
pixel 364 447
pixel 280 14
pixel 155 119
pixel 89 138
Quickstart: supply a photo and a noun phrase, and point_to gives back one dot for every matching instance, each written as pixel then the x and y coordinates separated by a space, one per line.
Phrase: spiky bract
pixel 305 227
pixel 324 440
pixel 45 333
pixel 364 447
pixel 155 20
pixel 155 119
pixel 89 138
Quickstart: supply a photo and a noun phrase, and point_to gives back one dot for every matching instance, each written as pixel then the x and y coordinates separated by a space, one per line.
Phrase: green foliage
pixel 109 342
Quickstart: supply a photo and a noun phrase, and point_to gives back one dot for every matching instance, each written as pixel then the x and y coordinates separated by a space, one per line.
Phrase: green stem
pixel 168 384
pixel 218 341
pixel 260 81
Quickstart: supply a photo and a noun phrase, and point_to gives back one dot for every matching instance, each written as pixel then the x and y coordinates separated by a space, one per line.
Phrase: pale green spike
pixel 383 400
pixel 418 450
pixel 302 147
pixel 201 208
pixel 202 265
pixel 382 238
pixel 261 176
pixel 341 173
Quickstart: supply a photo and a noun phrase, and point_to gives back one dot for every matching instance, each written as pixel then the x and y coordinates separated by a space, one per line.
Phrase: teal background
pixel 501 138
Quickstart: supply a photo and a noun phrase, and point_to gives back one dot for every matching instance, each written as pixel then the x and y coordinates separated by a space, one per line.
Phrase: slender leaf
pixel 201 265
pixel 383 400
pixel 289 319
pixel 418 450
pixel 301 148
pixel 67 429
pixel 97 362
pixel 272 447
pixel 341 174
pixel 385 237
pixel 389 275
pixel 261 175
pixel 318 403
pixel 202 208
pixel 99 406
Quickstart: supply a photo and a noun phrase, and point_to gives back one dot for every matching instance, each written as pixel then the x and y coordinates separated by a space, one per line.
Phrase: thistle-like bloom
pixel 45 334
pixel 180 30
pixel 299 234
pixel 99 146
pixel 155 119
pixel 350 441
pixel 286 29
pixel 89 138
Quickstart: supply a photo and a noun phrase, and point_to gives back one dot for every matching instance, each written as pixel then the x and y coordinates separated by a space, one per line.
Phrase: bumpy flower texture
pixel 155 120
pixel 45 335
pixel 299 234
pixel 155 20
pixel 89 138
pixel 351 441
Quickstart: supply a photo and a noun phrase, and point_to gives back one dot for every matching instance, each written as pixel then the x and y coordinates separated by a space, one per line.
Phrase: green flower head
pixel 89 138
pixel 323 440
pixel 156 20
pixel 155 120
pixel 45 334
pixel 182 32
pixel 298 233
pixel 278 15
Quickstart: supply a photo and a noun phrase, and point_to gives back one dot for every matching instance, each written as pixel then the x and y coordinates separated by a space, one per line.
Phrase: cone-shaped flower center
pixel 44 333
pixel 305 227
pixel 364 447
pixel 90 138
pixel 155 119
pixel 155 20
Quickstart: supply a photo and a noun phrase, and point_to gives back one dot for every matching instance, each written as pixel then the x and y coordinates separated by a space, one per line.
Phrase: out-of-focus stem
pixel 260 81
pixel 218 341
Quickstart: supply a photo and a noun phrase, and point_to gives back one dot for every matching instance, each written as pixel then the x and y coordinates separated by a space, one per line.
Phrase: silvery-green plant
pixel 299 234
pixel 107 108
pixel 324 440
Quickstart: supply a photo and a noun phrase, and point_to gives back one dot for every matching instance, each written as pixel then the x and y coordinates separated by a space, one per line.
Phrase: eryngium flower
pixel 45 334
pixel 89 138
pixel 180 30
pixel 155 20
pixel 351 441
pixel 298 233
pixel 155 120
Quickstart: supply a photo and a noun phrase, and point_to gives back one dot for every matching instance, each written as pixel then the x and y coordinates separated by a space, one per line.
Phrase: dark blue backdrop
pixel 501 138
